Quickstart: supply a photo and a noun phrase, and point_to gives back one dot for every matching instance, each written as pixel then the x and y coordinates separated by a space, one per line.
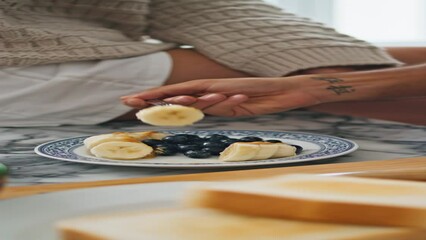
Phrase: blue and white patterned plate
pixel 315 147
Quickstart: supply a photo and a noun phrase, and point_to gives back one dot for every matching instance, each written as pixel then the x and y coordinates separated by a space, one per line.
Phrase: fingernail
pixel 133 101
pixel 180 100
pixel 212 96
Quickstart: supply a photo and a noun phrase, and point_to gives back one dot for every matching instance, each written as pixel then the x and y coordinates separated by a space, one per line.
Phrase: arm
pixel 253 96
pixel 391 83
pixel 408 55
pixel 259 39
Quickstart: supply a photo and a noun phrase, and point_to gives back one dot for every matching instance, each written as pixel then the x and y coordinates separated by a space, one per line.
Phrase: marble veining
pixel 378 140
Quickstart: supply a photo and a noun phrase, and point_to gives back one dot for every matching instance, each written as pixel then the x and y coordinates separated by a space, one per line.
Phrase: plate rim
pixel 354 147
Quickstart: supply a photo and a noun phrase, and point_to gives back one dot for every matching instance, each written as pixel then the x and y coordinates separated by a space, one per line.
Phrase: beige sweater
pixel 246 35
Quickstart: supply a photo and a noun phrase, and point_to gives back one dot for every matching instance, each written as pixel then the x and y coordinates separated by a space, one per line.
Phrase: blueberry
pixel 198 143
pixel 215 137
pixel 187 147
pixel 213 150
pixel 229 141
pixel 181 138
pixel 197 154
pixel 165 149
pixel 299 149
pixel 274 141
pixel 193 138
pixel 152 142
pixel 214 144
pixel 250 139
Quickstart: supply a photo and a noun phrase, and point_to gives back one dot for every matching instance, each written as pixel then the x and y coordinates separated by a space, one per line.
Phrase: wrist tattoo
pixel 329 79
pixel 337 89
pixel 341 89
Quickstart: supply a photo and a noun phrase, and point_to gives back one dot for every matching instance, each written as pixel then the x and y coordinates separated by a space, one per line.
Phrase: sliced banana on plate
pixel 93 141
pixel 284 150
pixel 122 145
pixel 122 150
pixel 170 115
pixel 239 151
pixel 267 150
pixel 147 135
pixel 245 151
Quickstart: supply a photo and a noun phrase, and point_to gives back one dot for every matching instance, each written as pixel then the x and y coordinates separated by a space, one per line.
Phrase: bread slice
pixel 207 224
pixel 319 198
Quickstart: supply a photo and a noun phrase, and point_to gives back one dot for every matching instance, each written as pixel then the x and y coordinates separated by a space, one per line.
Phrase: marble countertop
pixel 378 140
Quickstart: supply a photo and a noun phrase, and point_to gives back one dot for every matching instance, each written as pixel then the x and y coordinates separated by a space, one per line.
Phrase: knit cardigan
pixel 246 35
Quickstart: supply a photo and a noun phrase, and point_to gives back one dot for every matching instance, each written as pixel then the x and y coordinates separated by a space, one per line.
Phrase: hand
pixel 234 97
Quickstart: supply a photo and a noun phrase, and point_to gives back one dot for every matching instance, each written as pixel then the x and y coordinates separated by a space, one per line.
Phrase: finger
pixel 135 102
pixel 228 107
pixel 209 100
pixel 186 88
pixel 181 100
pixel 200 102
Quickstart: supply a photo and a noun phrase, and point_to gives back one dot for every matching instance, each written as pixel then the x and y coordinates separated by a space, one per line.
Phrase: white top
pixel 85 92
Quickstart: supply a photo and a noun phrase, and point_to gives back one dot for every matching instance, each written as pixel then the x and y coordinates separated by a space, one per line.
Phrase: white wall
pixel 384 22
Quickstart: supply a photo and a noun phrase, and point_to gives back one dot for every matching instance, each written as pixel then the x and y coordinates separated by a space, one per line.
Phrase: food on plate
pixel 122 145
pixel 170 115
pixel 147 135
pixel 269 209
pixel 309 197
pixel 244 151
pixel 122 150
pixel 190 145
pixel 93 141
pixel 221 146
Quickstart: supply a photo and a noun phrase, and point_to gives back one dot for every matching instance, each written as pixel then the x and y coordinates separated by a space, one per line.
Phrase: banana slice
pixel 267 150
pixel 93 141
pixel 239 151
pixel 170 115
pixel 148 135
pixel 284 150
pixel 245 151
pixel 122 150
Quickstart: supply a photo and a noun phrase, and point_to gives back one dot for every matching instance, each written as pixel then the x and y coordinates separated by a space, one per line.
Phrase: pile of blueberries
pixel 194 146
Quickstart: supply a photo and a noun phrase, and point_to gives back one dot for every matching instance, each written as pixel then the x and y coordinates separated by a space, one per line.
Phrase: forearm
pixel 407 81
pixel 408 55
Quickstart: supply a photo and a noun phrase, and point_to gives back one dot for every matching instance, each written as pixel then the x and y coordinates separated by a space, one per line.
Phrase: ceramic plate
pixel 34 217
pixel 315 147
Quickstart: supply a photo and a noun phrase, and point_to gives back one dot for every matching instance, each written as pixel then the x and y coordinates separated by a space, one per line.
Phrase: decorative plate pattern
pixel 315 147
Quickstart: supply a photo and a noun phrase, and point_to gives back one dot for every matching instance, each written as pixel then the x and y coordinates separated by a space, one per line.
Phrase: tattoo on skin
pixel 337 89
pixel 341 89
pixel 329 79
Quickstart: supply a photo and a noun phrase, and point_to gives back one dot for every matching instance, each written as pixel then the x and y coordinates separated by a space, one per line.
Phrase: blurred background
pixel 382 22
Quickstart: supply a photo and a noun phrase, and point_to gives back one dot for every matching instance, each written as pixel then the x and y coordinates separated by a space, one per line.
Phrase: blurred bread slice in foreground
pixel 296 207
pixel 207 224
pixel 350 200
